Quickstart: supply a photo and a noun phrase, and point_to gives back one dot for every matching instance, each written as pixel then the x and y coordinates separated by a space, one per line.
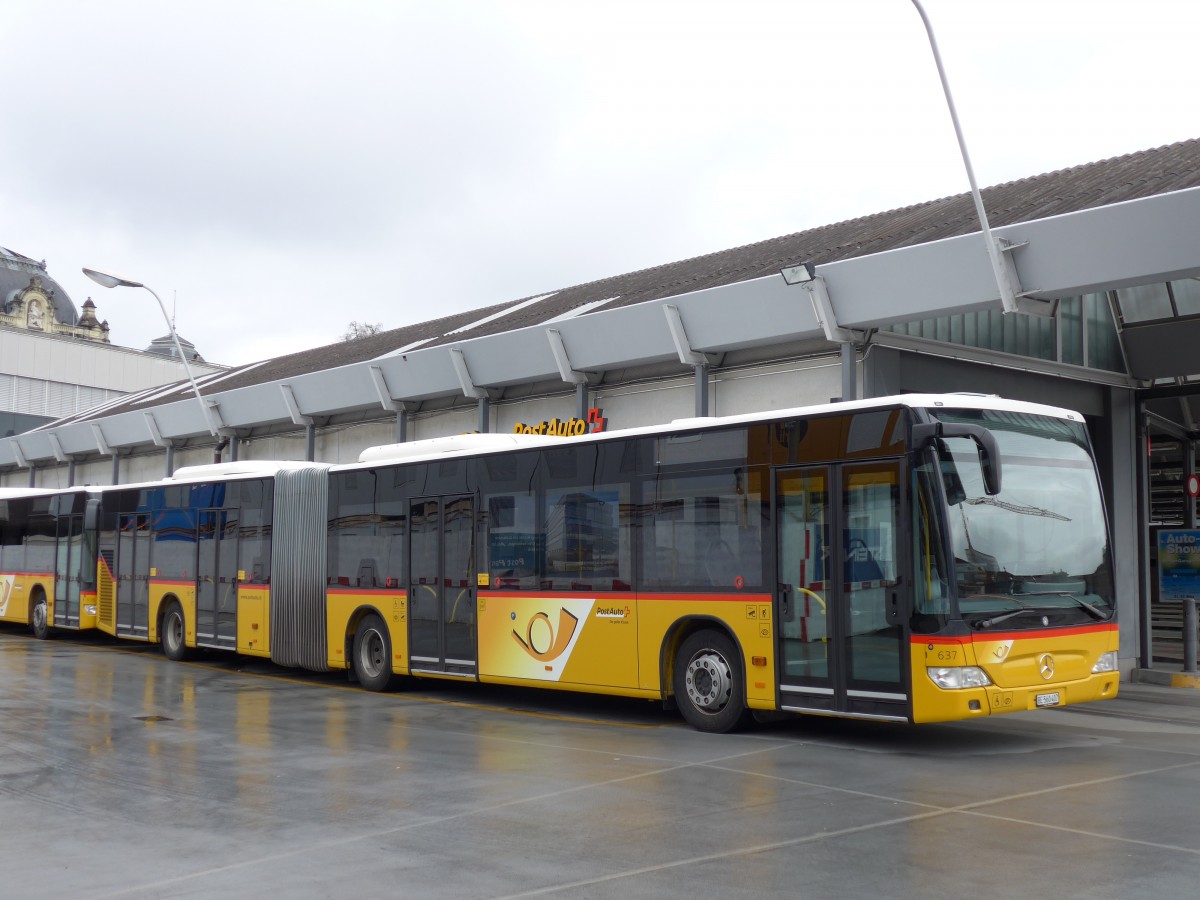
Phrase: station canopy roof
pixel 1126 222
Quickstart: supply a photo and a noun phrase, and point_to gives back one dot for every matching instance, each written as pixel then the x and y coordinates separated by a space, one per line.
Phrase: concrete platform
pixel 125 775
pixel 1167 678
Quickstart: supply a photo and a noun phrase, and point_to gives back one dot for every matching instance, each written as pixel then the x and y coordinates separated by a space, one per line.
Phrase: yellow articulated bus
pixel 917 559
pixel 47 559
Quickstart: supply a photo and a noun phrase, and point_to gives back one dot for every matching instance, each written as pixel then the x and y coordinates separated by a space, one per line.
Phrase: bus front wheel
pixel 372 654
pixel 40 620
pixel 708 682
pixel 174 643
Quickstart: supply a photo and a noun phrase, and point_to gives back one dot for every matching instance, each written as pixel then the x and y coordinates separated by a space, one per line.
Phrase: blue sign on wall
pixel 1178 564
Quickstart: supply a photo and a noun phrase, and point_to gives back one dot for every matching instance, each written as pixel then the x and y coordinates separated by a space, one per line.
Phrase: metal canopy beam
pixel 56 447
pixel 214 410
pixel 679 338
pixel 155 434
pixel 465 382
pixel 293 408
pixel 101 443
pixel 381 388
pixel 559 348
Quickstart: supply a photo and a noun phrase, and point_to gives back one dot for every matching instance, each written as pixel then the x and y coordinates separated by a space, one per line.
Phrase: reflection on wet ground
pixel 123 774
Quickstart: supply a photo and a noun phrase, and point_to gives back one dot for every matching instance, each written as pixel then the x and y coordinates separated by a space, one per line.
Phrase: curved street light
pixel 1008 298
pixel 111 281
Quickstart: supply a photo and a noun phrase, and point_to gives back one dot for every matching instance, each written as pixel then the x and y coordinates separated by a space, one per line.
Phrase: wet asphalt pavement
pixel 125 775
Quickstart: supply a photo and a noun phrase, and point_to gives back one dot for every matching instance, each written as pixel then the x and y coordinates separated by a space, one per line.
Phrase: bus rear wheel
pixel 372 654
pixel 709 684
pixel 174 642
pixel 39 621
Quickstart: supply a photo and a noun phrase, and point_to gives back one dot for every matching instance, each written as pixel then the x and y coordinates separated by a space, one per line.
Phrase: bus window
pixel 702 532
pixel 586 547
pixel 514 545
pixel 254 546
pixel 356 549
pixel 702 448
pixel 12 527
pixel 39 544
pixel 931 593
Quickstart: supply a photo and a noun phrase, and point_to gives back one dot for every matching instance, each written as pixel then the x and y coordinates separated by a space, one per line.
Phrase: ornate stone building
pixel 56 361
pixel 32 300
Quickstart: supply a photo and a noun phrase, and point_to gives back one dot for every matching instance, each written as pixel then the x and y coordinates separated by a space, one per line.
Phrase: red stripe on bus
pixel 373 591
pixel 612 595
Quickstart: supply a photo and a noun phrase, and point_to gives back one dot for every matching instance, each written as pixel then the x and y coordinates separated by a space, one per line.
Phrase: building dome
pixel 165 346
pixel 32 301
pixel 17 274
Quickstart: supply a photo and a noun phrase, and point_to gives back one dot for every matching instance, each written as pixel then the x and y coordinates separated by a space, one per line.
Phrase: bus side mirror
pixel 989 452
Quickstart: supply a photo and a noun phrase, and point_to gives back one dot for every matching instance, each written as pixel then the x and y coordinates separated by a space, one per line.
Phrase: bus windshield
pixel 1037 552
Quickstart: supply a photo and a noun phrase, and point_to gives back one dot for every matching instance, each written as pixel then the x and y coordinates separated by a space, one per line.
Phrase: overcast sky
pixel 278 168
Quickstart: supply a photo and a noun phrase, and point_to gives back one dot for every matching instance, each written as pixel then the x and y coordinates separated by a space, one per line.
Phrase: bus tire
pixel 372 654
pixel 39 619
pixel 173 633
pixel 708 681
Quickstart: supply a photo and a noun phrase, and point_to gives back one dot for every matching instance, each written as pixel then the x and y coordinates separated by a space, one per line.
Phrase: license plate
pixel 1046 699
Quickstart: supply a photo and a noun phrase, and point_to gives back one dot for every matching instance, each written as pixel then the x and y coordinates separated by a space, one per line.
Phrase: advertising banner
pixel 1178 564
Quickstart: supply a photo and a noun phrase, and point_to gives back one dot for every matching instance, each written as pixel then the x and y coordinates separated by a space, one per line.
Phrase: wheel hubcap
pixel 39 616
pixel 371 653
pixel 709 681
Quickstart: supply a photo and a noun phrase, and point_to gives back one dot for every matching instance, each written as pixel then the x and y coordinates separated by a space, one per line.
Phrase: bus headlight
pixel 954 678
pixel 1106 663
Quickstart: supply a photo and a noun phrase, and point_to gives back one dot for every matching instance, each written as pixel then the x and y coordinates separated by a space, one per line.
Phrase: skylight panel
pixel 504 312
pixel 401 350
pixel 581 309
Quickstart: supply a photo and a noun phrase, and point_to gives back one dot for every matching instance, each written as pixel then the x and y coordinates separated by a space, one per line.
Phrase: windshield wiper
pixel 1094 612
pixel 1016 508
pixel 996 620
pixel 1004 617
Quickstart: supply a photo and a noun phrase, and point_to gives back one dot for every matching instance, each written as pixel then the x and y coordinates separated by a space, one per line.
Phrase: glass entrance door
pixel 841 648
pixel 216 578
pixel 441 587
pixel 133 575
pixel 67 571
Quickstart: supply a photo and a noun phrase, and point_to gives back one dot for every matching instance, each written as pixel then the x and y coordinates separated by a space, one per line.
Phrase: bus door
pixel 441 589
pixel 67 562
pixel 841 646
pixel 133 575
pixel 216 578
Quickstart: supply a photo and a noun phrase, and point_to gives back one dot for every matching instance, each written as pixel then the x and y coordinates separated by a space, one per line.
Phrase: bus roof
pixel 465 443
pixel 243 470
pixel 248 468
pixel 8 493
pixel 476 444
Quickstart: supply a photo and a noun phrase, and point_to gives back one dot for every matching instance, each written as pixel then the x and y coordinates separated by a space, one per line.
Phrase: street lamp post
pixel 1001 272
pixel 112 281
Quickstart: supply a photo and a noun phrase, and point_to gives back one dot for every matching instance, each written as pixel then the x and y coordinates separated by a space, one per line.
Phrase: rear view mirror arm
pixel 989 451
